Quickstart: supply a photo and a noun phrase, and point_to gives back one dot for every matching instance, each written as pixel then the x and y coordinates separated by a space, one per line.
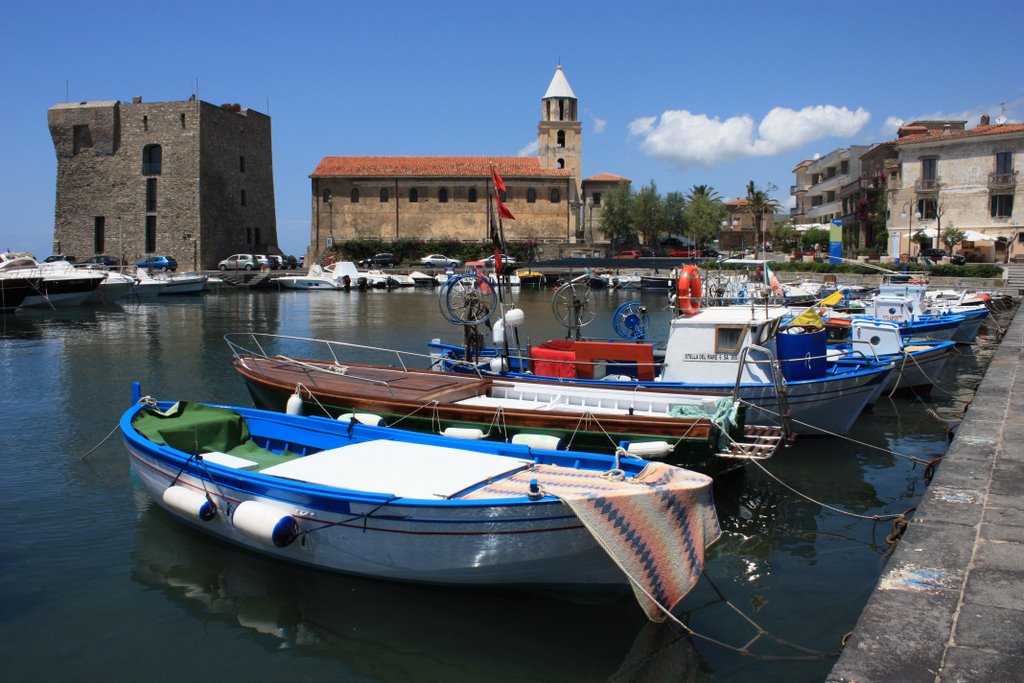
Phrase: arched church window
pixel 471 197
pixel 560 163
pixel 556 196
pixel 414 195
pixel 354 195
pixel 384 195
pixel 561 138
pixel 531 196
pixel 442 195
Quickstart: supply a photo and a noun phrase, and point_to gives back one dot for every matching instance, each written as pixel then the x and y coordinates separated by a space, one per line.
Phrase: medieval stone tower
pixel 558 133
pixel 188 179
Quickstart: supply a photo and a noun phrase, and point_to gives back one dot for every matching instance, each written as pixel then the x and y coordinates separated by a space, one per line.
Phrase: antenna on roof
pixel 1001 119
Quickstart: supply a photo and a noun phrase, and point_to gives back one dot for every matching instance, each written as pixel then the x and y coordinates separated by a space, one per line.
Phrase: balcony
pixel 927 185
pixel 1002 181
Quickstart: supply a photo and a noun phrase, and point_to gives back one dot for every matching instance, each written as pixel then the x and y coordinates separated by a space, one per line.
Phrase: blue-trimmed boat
pixel 408 506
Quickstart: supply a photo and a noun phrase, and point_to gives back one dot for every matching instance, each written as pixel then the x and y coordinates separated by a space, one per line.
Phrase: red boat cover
pixel 550 362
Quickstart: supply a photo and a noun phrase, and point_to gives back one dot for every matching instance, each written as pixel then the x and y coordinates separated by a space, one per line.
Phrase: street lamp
pixel 330 219
pixel 905 213
pixel 735 222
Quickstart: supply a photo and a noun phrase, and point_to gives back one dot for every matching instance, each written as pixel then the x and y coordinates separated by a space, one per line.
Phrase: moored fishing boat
pixel 404 506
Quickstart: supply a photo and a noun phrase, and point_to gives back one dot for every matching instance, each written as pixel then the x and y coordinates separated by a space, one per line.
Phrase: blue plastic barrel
pixel 802 354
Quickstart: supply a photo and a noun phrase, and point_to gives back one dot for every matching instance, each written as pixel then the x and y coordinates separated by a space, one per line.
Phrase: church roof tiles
pixel 408 166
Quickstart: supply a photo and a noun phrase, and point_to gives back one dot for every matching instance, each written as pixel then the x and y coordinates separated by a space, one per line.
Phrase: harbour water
pixel 98 582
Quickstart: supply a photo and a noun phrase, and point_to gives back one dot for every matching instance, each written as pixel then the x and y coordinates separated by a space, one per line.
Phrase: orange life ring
pixel 688 290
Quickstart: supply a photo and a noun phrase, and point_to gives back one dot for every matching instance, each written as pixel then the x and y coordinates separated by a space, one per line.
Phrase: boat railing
pixel 326 350
pixel 777 379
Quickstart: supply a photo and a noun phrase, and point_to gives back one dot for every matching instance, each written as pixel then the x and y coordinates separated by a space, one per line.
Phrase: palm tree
pixel 760 204
pixel 705 191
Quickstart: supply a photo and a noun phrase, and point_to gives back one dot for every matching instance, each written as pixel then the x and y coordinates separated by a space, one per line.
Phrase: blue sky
pixel 678 93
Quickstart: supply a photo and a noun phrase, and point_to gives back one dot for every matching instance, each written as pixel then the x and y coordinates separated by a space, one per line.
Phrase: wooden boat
pixel 687 427
pixel 398 505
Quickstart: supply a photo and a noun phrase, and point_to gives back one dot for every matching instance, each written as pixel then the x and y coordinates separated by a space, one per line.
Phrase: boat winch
pixel 189 502
pixel 265 523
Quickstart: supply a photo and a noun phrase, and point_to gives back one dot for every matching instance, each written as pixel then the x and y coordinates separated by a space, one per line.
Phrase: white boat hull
pixel 309 283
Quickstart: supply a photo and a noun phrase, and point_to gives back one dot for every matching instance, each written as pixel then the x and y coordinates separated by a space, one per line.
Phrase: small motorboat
pixel 60 283
pixel 405 506
pixel 337 276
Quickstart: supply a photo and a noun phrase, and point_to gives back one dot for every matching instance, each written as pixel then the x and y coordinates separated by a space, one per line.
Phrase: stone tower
pixel 558 133
pixel 188 179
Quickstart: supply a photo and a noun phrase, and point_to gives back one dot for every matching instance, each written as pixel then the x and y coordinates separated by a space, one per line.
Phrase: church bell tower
pixel 558 133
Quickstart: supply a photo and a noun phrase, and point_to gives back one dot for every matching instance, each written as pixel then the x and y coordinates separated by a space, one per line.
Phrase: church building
pixel 443 197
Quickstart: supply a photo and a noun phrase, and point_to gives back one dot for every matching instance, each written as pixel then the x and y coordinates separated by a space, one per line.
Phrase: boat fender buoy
pixel 498 332
pixel 265 523
pixel 189 502
pixel 363 419
pixel 649 449
pixel 463 433
pixel 514 317
pixel 498 365
pixel 294 404
pixel 545 441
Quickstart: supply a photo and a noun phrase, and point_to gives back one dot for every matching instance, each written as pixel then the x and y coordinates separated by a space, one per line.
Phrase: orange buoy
pixel 688 290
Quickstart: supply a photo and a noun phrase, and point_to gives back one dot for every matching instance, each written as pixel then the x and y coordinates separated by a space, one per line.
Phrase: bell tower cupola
pixel 558 133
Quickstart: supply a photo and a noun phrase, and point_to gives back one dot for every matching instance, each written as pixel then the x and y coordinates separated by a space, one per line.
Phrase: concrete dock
pixel 950 604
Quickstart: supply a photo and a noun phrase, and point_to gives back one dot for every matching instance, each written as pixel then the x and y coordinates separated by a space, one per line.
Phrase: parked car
pixel 238 262
pixel 158 262
pixel 276 261
pixel 440 261
pixel 101 261
pixel 932 254
pixel 291 262
pixel 262 261
pixel 384 260
pixel 635 253
pixel 505 260
pixel 685 253
pixel 957 259
pixel 61 257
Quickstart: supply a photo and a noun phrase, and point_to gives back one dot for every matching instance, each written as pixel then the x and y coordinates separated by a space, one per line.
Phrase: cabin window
pixel 728 338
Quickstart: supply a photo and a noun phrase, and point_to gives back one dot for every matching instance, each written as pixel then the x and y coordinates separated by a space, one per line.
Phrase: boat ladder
pixel 780 387
pixel 759 443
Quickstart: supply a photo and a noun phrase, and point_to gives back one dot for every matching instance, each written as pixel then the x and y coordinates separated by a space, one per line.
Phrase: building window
pixel 442 195
pixel 183 120
pixel 927 208
pixel 243 197
pixel 385 196
pixel 81 138
pixel 414 195
pixel 503 195
pixel 1002 205
pixel 555 195
pixel 844 167
pixel 145 123
pixel 929 168
pixel 597 199
pixel 150 234
pixel 241 164
pixel 353 196
pixel 560 163
pixel 1004 163
pixel 257 236
pixel 327 197
pixel 561 139
pixel 150 194
pixel 248 235
pixel 99 224
pixel 151 160
pixel 471 197
pixel 531 196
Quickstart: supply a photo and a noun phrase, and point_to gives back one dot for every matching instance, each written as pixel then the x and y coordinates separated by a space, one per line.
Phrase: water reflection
pixel 399 632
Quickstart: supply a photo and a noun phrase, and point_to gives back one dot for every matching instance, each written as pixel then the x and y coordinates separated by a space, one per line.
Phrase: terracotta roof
pixel 606 178
pixel 737 202
pixel 978 131
pixel 468 167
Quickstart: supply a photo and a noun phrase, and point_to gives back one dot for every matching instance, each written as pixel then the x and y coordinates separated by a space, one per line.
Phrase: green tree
pixel 649 214
pixel 818 237
pixel 616 214
pixel 705 191
pixel 952 238
pixel 675 213
pixel 761 208
pixel 703 218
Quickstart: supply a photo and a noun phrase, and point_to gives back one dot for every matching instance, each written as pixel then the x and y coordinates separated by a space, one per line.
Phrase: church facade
pixel 441 197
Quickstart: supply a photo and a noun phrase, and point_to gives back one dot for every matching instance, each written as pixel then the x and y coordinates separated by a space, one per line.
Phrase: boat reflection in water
pixel 393 631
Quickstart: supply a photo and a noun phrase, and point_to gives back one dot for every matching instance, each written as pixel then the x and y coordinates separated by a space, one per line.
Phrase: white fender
pixel 294 404
pixel 463 433
pixel 363 418
pixel 544 441
pixel 498 333
pixel 514 317
pixel 189 502
pixel 649 449
pixel 266 524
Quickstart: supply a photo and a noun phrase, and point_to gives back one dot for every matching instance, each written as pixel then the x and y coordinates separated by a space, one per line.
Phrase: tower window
pixel 150 194
pixel 145 123
pixel 241 164
pixel 152 160
pixel 531 196
pixel 183 120
pixel 385 196
pixel 442 195
pixel 414 195
pixel 561 139
pixel 560 163
pixel 555 195
pixel 243 197
pixel 98 229
pixel 150 234
pixel 353 196
pixel 471 197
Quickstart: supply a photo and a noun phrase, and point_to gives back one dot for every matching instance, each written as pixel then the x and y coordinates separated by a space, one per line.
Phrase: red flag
pixel 499 184
pixel 504 212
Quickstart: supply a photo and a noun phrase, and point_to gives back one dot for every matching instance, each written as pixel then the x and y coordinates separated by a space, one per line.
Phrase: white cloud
pixel 529 151
pixel 688 139
pixel 599 126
